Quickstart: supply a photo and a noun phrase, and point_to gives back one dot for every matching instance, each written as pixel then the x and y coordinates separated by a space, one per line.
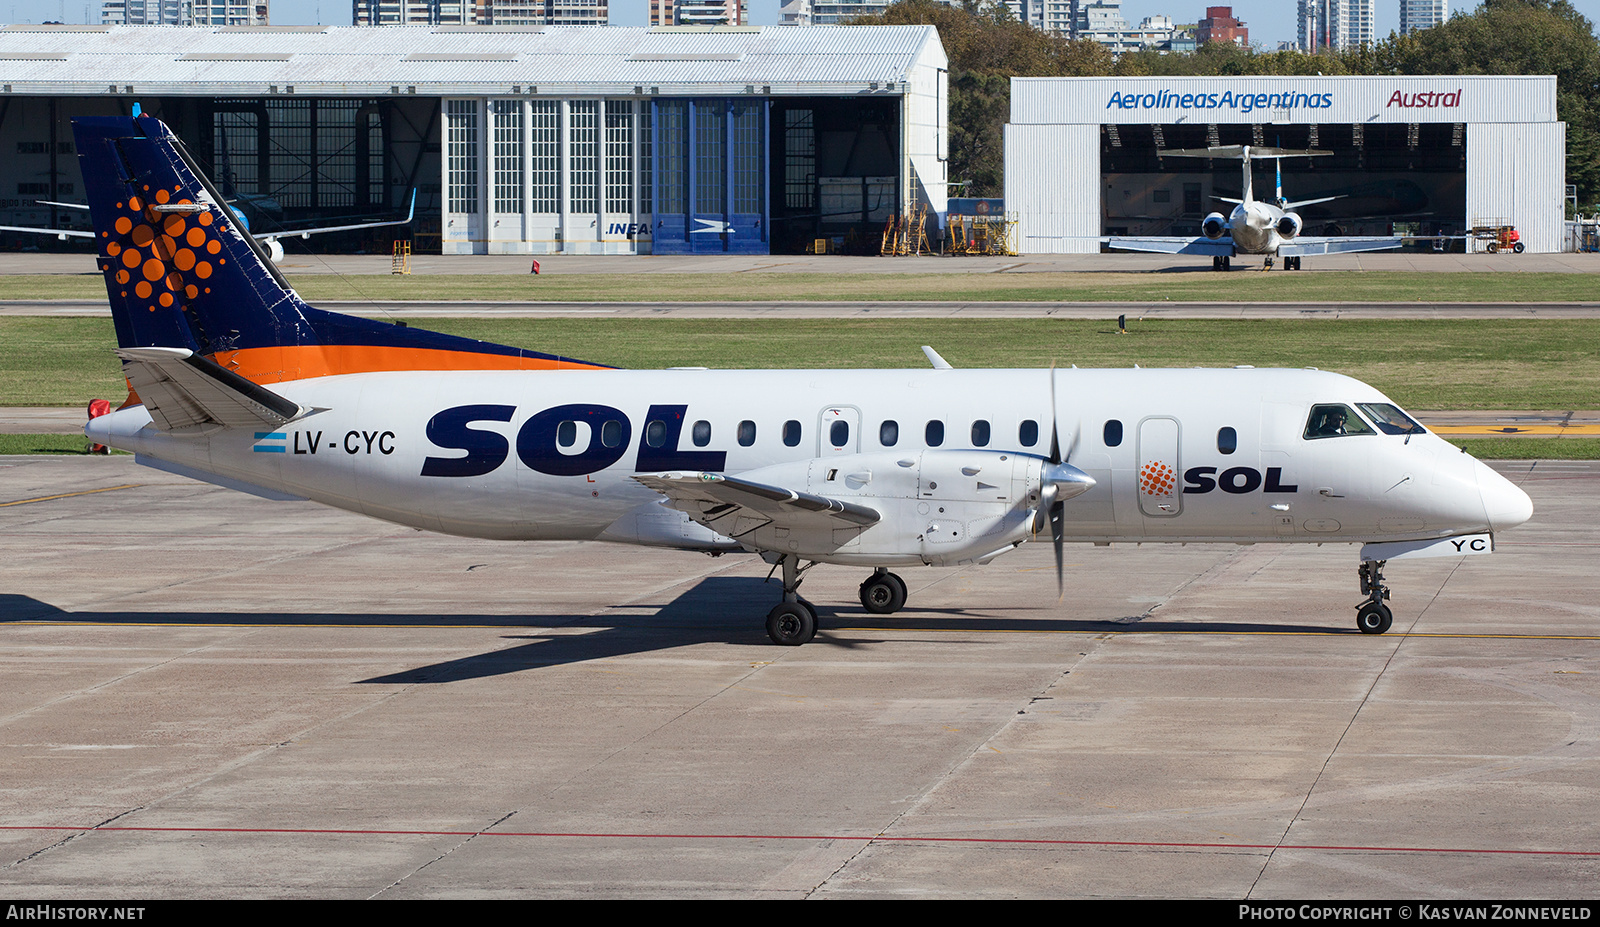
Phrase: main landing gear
pixel 1372 616
pixel 793 621
pixel 1291 263
pixel 883 593
pixel 1218 262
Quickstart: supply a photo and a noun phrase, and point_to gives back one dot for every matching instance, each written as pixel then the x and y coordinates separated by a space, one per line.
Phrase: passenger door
pixel 1160 483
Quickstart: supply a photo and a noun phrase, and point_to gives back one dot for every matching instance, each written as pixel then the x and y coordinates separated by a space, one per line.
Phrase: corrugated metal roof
pixel 443 61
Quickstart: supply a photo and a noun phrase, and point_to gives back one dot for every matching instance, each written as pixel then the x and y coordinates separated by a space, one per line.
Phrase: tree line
pixel 988 46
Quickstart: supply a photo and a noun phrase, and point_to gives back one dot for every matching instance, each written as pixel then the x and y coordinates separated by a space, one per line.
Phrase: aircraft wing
pixel 62 234
pixel 734 507
pixel 1213 246
pixel 187 393
pixel 1312 245
pixel 307 233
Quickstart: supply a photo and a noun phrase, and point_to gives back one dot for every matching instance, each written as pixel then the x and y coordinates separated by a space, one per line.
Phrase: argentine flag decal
pixel 270 436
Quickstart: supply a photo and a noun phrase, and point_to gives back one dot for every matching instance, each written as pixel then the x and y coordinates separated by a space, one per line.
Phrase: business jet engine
pixel 1215 226
pixel 1289 226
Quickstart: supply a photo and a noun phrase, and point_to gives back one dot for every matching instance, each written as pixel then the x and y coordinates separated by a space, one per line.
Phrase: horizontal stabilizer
pixel 1298 203
pixel 1303 246
pixel 185 392
pixel 734 507
pixel 1216 247
pixel 62 234
pixel 1242 151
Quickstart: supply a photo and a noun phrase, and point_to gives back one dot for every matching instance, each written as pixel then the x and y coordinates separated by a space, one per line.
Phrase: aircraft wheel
pixel 883 594
pixel 791 624
pixel 1374 618
pixel 901 585
pixel 1227 263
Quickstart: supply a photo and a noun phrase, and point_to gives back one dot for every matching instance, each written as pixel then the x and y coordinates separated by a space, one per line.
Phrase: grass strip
pixel 905 280
pixel 1422 364
pixel 53 445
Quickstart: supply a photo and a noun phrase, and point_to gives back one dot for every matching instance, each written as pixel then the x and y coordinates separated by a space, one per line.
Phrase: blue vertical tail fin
pixel 182 272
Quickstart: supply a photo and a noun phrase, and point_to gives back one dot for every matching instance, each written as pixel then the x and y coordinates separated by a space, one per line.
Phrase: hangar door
pixel 1377 179
pixel 709 170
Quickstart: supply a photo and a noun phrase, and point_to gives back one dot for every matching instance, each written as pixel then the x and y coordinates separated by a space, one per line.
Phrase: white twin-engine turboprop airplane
pixel 1255 227
pixel 240 383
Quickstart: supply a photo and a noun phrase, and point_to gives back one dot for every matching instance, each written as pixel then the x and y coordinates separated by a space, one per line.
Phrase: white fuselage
pixel 1254 227
pixel 525 455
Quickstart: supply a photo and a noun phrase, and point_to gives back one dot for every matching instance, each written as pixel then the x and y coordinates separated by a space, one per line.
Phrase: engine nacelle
pixel 1289 226
pixel 1215 226
pixel 274 250
pixel 938 508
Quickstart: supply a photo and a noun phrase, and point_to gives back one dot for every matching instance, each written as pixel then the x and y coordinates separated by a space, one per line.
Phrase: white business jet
pixel 271 242
pixel 236 381
pixel 1271 229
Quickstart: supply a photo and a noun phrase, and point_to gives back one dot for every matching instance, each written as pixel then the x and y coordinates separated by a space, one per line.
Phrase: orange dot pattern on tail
pixel 1157 479
pixel 165 248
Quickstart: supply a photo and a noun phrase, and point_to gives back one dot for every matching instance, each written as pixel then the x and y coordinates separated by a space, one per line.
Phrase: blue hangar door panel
pixel 710 176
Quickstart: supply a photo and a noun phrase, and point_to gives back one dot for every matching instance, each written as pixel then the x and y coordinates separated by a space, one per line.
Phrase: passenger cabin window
pixel 889 433
pixel 980 433
pixel 1333 420
pixel 747 433
pixel 933 435
pixel 655 433
pixel 791 433
pixel 701 433
pixel 839 433
pixel 566 434
pixel 1390 420
pixel 611 433
pixel 1227 440
pixel 1113 433
pixel 1028 433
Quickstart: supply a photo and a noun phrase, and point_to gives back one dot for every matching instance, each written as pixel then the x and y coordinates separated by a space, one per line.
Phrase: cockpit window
pixel 1332 420
pixel 1389 419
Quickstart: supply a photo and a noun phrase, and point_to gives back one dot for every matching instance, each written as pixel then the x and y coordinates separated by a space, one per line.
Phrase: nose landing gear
pixel 1372 616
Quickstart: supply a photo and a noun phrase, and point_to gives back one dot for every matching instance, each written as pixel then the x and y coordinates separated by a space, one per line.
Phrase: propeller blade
pixel 1055 433
pixel 1057 516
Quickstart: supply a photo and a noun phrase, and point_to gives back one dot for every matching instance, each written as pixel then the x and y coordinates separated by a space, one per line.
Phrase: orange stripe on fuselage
pixel 302 362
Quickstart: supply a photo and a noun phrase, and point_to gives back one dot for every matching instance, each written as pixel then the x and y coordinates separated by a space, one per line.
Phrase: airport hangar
pixel 520 140
pixel 1424 155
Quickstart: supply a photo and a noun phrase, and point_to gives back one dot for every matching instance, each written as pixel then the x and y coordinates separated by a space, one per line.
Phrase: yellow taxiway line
pixel 69 495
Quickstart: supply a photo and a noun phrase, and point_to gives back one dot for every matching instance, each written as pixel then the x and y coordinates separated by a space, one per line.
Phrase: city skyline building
pixel 699 13
pixel 1422 14
pixel 1220 25
pixel 479 12
pixel 184 13
pixel 1337 24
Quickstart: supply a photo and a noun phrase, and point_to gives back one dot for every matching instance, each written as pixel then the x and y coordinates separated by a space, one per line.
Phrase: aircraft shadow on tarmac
pixel 718 609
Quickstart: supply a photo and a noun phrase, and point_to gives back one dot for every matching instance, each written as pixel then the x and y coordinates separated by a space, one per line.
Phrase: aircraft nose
pixel 1506 505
